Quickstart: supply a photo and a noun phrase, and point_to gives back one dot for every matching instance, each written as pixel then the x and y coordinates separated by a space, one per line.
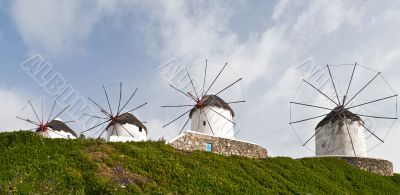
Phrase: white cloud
pixel 156 130
pixel 54 27
pixel 280 9
pixel 323 17
pixel 190 32
pixel 283 89
pixel 11 104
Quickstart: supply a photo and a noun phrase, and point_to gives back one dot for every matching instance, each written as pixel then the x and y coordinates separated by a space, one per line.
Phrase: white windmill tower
pixel 57 129
pixel 122 126
pixel 211 109
pixel 53 127
pixel 348 130
pixel 126 127
pixel 209 114
pixel 349 111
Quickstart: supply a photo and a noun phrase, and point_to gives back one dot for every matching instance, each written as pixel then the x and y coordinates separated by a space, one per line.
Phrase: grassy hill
pixel 31 164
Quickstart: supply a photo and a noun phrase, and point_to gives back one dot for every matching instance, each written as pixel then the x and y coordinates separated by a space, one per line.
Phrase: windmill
pixel 52 127
pixel 352 101
pixel 209 114
pixel 121 125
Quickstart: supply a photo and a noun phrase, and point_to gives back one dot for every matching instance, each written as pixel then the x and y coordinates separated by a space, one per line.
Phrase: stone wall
pixel 373 165
pixel 191 141
pixel 378 166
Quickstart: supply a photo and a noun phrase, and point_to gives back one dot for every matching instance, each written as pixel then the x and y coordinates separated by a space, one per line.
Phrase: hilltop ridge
pixel 32 164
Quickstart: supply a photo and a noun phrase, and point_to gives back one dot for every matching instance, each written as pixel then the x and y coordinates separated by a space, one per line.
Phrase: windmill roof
pixel 57 125
pixel 128 118
pixel 213 100
pixel 339 113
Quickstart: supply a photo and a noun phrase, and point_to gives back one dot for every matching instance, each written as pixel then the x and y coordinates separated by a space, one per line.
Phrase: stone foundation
pixel 373 165
pixel 378 166
pixel 191 141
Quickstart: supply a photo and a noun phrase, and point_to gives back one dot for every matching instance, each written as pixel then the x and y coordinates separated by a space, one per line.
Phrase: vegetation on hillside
pixel 31 164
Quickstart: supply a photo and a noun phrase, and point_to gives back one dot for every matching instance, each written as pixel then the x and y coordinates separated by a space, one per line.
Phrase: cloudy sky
pixel 95 42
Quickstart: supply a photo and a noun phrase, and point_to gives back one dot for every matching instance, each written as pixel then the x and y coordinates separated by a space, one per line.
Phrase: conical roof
pixel 128 118
pixel 212 100
pixel 57 125
pixel 338 113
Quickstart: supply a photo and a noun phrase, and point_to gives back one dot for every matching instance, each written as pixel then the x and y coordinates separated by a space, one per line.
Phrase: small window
pixel 140 129
pixel 208 147
pixel 204 123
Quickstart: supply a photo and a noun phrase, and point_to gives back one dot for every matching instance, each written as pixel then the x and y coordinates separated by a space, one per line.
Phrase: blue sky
pixel 91 43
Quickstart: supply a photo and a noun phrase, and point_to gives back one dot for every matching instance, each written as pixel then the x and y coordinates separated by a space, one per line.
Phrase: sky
pixel 95 42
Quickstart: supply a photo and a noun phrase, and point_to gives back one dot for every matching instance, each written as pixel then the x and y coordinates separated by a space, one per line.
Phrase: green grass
pixel 31 164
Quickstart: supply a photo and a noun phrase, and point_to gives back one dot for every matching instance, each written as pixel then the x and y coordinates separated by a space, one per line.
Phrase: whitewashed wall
pixel 57 134
pixel 220 126
pixel 336 134
pixel 121 135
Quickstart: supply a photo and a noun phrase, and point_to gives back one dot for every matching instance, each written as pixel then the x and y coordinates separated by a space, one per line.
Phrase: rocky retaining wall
pixel 191 141
pixel 378 166
pixel 373 165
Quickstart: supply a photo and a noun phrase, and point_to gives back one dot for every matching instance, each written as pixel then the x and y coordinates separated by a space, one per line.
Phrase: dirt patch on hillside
pixel 120 175
pixel 113 171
